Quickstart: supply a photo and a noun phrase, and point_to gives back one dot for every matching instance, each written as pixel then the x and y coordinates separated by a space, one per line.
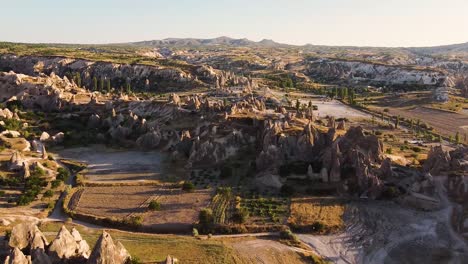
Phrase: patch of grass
pixel 321 215
pixel 155 248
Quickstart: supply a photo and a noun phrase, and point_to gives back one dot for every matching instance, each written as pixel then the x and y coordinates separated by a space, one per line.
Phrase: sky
pixel 392 23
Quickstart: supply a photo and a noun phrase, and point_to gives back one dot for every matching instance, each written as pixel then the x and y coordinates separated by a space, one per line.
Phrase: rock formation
pixel 67 247
pixel 106 251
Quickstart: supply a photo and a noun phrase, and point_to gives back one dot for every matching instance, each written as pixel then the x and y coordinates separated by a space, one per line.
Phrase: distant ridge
pixel 226 41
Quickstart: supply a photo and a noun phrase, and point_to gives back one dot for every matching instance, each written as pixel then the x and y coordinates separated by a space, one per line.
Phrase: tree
pixel 102 84
pixel 397 121
pixel 457 137
pixel 78 79
pixel 108 85
pixel 310 104
pixel 205 216
pixel 154 206
pixel 95 86
pixel 129 88
pixel 351 96
pixel 298 104
pixel 188 187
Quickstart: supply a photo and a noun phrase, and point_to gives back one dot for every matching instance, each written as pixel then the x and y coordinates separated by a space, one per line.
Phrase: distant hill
pixel 226 41
pixel 445 49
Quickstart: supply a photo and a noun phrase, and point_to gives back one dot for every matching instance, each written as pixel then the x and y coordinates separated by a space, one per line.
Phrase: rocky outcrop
pixel 27 235
pixel 47 93
pixel 17 257
pixel 65 246
pixel 353 72
pixel 16 161
pixel 106 252
pixel 437 161
pixel 149 140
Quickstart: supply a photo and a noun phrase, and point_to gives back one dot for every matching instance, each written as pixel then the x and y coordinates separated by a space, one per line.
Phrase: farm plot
pixel 179 209
pixel 118 201
pixel 322 215
pixel 266 210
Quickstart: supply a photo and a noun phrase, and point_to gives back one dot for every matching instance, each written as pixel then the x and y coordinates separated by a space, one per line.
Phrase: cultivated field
pixel 418 105
pixel 322 215
pixel 178 209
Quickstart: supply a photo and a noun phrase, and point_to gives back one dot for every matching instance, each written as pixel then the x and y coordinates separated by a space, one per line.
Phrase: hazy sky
pixel 330 22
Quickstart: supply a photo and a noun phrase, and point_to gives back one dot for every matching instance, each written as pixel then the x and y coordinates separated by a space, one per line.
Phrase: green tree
pixel 78 79
pixel 95 83
pixel 108 85
pixel 129 88
pixel 102 84
pixel 205 216
pixel 457 137
pixel 397 121
pixel 298 104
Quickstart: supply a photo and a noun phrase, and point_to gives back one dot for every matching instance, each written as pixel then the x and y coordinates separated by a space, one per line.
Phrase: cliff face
pixel 142 77
pixel 376 74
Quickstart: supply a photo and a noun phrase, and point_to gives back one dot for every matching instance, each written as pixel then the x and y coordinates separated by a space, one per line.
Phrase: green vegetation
pixel 266 210
pixel 188 187
pixel 63 174
pixel 220 205
pixel 33 186
pixel 154 205
pixel 206 217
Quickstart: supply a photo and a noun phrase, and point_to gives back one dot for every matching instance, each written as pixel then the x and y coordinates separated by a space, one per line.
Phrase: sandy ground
pixel 326 108
pixel 113 165
pixel 258 250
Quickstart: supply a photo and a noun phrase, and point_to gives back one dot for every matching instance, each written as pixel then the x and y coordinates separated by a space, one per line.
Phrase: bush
pixel 134 221
pixel 287 234
pixel 2 193
pixel 154 206
pixel 241 215
pixel 49 193
pixel 416 149
pixel 317 226
pixel 56 183
pixel 188 187
pixel 51 205
pixel 63 174
pixel 195 232
pixel 205 216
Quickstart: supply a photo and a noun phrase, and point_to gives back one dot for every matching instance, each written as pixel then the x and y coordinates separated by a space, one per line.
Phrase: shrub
pixel 134 221
pixel 389 151
pixel 195 232
pixel 416 149
pixel 51 205
pixel 63 174
pixel 154 206
pixel 2 193
pixel 287 234
pixel 317 226
pixel 241 215
pixel 188 187
pixel 205 216
pixel 49 193
pixel 56 183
